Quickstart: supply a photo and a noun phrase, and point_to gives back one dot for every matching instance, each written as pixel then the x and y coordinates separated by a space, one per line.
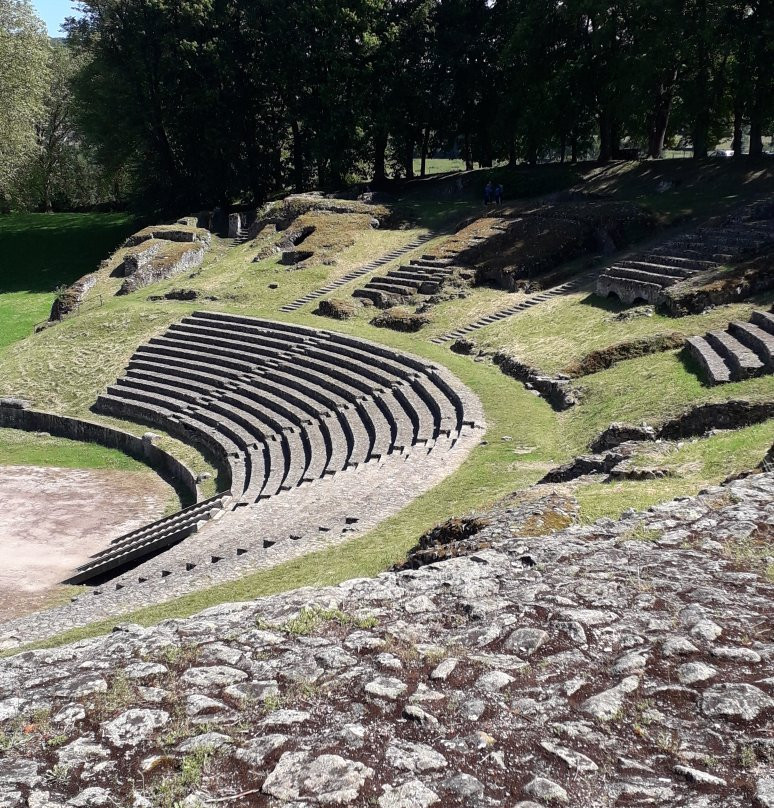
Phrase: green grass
pixel 43 251
pixel 438 165
pixel 65 367
pixel 19 448
pixel 582 322
pixel 695 464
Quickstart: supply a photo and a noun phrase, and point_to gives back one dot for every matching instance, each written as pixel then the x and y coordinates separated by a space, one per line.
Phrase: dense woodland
pixel 185 102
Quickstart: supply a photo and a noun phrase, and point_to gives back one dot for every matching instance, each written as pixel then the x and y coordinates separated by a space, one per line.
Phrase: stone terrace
pixel 643 276
pixel 625 663
pixel 741 351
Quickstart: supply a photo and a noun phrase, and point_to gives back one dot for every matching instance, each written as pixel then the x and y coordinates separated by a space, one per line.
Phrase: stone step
pixel 742 361
pixel 658 268
pixel 713 366
pixel 381 281
pixel 660 279
pixel 216 445
pixel 395 289
pixel 764 320
pixel 666 258
pixel 756 339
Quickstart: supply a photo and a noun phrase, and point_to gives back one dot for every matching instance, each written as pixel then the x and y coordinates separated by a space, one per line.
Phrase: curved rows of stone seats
pixel 741 351
pixel 642 277
pixel 357 273
pixel 278 406
pixel 420 277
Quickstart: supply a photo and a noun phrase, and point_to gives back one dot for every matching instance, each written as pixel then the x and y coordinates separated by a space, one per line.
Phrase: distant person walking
pixel 498 195
pixel 488 193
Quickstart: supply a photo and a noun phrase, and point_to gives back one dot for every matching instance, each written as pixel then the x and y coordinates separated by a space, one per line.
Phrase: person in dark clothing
pixel 498 195
pixel 488 193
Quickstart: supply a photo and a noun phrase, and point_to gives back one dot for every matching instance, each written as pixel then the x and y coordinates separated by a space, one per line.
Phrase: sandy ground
pixel 52 520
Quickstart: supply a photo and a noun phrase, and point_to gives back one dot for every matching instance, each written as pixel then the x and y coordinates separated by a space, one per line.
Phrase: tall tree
pixel 24 75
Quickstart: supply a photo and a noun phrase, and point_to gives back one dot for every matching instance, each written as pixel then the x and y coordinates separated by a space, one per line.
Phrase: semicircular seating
pixel 277 406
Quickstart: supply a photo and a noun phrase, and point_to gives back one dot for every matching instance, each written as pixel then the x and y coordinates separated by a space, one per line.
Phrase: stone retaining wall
pixel 556 390
pixel 70 299
pixel 15 415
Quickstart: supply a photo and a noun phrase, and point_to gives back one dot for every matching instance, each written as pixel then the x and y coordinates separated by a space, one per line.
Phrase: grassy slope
pixel 549 335
pixel 41 252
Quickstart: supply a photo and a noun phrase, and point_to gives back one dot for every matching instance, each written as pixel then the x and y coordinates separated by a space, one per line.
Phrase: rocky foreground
pixel 626 663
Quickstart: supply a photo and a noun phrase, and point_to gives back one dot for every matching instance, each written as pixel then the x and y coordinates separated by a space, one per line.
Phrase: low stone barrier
pixel 15 414
pixel 70 299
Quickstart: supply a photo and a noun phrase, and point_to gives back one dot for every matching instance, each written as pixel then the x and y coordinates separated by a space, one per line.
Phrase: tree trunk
pixel 425 148
pixel 736 144
pixel 615 140
pixel 756 113
pixel 563 147
pixel 380 150
pixel 700 131
pixel 531 150
pixel 700 135
pixel 408 157
pixel 467 154
pixel 512 152
pixel 605 140
pixel 298 158
pixel 485 158
pixel 756 135
pixel 574 148
pixel 658 120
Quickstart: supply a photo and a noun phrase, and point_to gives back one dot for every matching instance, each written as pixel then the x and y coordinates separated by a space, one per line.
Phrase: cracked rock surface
pixel 625 663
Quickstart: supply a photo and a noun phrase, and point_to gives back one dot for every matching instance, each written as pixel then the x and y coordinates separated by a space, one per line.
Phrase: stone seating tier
pixel 643 277
pixel 276 406
pixel 741 351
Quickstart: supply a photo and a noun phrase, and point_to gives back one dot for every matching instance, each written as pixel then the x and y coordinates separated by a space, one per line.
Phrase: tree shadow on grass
pixel 40 252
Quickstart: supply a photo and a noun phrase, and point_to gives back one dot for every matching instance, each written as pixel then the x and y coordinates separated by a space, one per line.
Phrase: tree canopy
pixel 24 77
pixel 219 101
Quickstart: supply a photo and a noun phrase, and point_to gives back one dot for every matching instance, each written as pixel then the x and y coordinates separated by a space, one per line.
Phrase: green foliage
pixel 61 172
pixel 363 87
pixel 309 619
pixel 24 55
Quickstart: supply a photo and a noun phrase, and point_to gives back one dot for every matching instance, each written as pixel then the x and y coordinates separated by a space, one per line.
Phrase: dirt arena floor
pixel 52 520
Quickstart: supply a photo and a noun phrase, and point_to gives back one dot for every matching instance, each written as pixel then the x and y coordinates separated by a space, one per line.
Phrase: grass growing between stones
pixel 566 328
pixel 695 464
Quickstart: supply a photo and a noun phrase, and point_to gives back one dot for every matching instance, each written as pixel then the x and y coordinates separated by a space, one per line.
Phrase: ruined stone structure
pixel 409 283
pixel 329 287
pixel 741 351
pixel 643 276
pixel 316 436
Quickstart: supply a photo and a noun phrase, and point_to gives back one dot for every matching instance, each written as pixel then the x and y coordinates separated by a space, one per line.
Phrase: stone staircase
pixel 281 410
pixel 393 255
pixel 510 311
pixel 421 277
pixel 741 351
pixel 641 278
pixel 150 539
